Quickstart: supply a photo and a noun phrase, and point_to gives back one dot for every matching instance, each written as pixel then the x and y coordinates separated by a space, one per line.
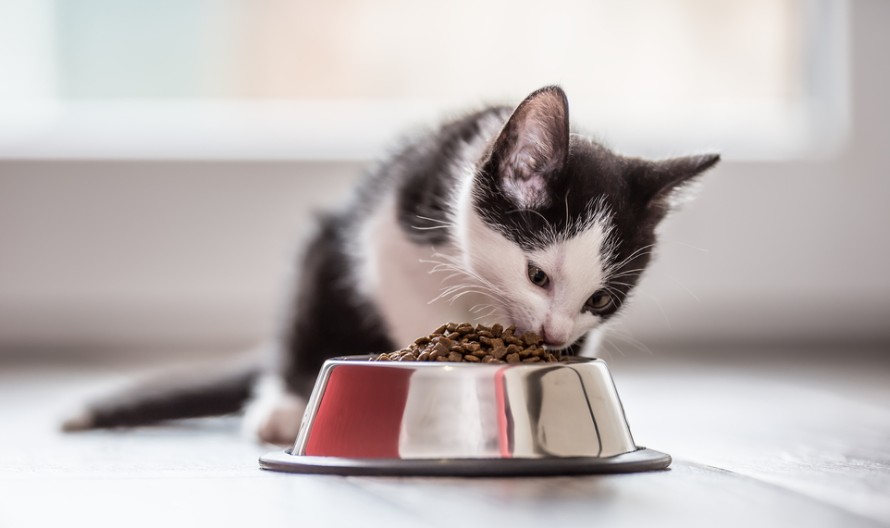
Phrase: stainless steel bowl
pixel 431 418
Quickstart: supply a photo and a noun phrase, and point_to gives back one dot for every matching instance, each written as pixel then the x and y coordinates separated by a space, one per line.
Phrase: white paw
pixel 274 416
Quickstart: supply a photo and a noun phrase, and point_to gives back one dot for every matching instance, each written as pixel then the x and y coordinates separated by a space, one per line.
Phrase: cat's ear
pixel 664 185
pixel 532 148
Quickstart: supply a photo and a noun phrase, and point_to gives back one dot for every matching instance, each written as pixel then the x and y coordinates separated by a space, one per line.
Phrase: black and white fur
pixel 446 229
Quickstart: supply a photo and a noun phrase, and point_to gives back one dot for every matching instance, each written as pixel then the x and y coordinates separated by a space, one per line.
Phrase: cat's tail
pixel 189 393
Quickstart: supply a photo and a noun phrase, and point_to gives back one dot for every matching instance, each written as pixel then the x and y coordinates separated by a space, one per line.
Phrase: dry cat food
pixel 463 342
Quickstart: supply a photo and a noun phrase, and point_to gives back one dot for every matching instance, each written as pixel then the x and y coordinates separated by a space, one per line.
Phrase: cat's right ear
pixel 532 148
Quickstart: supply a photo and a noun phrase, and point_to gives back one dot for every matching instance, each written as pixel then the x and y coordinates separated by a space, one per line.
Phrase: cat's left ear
pixel 665 184
pixel 532 148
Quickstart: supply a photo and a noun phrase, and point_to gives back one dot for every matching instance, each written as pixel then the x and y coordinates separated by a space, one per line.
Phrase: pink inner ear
pixel 537 145
pixel 530 192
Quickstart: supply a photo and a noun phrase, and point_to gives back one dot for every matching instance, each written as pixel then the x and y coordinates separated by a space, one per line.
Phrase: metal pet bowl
pixel 465 419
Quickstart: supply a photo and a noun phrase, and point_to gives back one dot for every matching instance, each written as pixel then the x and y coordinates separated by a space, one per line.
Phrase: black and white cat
pixel 501 216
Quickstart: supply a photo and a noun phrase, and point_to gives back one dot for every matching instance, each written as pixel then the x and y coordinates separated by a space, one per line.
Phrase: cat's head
pixel 561 228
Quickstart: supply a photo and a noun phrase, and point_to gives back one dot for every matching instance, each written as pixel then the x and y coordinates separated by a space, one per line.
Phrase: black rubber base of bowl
pixel 640 460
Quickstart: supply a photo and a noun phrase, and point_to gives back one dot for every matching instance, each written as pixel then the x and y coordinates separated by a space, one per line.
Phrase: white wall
pixel 134 253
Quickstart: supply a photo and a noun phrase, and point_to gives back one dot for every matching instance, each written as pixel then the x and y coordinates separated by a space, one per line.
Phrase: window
pixel 757 79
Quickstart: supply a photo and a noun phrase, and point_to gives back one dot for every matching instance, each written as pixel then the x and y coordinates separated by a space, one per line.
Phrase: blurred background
pixel 160 160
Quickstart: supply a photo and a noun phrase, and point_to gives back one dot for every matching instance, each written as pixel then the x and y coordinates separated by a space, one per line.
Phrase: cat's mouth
pixel 549 343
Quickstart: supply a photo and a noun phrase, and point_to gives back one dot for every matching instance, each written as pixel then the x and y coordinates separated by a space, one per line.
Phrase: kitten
pixel 502 216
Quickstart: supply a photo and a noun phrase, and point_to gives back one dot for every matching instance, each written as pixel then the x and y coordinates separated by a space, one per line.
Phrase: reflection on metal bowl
pixel 425 418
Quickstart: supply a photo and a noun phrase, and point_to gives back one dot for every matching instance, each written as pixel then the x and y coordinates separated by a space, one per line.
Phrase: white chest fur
pixel 398 276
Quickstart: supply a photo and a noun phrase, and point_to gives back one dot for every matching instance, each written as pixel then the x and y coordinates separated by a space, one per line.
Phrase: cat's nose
pixel 549 340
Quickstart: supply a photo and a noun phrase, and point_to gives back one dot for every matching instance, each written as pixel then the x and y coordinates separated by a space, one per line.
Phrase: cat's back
pixel 423 170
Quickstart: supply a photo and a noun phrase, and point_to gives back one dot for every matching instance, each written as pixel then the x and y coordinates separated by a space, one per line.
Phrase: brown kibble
pixel 532 338
pixel 532 359
pixel 465 342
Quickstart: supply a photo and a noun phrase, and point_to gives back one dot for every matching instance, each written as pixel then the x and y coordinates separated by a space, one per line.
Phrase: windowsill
pixel 746 130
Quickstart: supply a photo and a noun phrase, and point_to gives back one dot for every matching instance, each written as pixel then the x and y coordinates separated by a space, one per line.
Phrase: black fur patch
pixel 329 318
pixel 426 176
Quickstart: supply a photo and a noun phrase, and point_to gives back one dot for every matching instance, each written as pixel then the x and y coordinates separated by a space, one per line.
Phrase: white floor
pixel 756 441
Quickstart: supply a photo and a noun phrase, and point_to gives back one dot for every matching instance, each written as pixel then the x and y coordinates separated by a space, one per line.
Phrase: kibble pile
pixel 474 344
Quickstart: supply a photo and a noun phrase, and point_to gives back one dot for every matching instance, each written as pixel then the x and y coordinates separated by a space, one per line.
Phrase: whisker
pixel 434 220
pixel 694 296
pixel 624 334
pixel 660 308
pixel 635 254
pixel 628 272
pixel 687 245
pixel 461 294
pixel 617 348
pixel 531 211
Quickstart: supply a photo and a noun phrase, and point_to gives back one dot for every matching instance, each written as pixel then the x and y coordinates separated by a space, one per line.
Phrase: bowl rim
pixel 366 359
pixel 641 459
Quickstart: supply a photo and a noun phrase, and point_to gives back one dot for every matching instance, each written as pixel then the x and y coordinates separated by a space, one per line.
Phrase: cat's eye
pixel 599 301
pixel 537 276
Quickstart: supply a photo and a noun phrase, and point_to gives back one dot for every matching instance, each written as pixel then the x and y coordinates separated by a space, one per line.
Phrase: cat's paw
pixel 283 423
pixel 274 415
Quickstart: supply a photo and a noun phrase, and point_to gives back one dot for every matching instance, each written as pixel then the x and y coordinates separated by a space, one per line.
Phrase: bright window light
pixel 286 79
